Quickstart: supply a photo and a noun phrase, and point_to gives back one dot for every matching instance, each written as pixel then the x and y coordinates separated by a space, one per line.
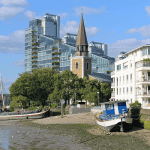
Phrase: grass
pixel 146 123
pixel 81 135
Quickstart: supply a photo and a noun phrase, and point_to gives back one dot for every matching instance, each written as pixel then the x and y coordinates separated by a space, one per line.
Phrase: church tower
pixel 81 63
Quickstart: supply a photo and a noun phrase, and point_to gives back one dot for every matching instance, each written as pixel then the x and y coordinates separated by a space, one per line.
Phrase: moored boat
pixel 114 116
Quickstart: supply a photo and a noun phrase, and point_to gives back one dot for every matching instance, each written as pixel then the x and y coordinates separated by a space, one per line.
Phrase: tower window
pixel 87 65
pixel 77 65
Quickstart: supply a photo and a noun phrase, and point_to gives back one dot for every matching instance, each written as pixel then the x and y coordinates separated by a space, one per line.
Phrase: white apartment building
pixel 131 77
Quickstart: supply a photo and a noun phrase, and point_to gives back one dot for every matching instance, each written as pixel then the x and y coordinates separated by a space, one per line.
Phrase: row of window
pixel 77 65
pixel 124 67
pixel 123 78
pixel 119 92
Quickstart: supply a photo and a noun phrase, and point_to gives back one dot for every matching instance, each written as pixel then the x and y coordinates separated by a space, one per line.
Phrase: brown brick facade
pixel 77 71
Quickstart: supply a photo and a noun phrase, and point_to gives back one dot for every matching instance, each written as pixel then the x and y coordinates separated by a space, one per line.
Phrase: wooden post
pixel 62 108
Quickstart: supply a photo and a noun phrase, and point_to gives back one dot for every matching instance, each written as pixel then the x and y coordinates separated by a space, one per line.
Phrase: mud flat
pixel 41 134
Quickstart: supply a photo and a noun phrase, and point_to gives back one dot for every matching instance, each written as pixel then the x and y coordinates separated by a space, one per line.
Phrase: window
pixel 119 67
pixel 131 76
pixel 120 90
pixel 127 89
pixel 131 100
pixel 123 89
pixel 123 78
pixel 87 65
pixel 109 106
pixel 120 79
pixel 131 89
pixel 117 81
pixel 77 65
pixel 144 52
pixel 127 78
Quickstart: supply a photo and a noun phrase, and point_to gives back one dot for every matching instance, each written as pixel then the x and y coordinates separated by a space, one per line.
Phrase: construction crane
pixel 71 34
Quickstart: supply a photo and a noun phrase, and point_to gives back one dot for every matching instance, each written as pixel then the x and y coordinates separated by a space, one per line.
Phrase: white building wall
pixel 133 57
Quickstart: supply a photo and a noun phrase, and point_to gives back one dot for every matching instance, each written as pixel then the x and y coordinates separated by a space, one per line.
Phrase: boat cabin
pixel 113 109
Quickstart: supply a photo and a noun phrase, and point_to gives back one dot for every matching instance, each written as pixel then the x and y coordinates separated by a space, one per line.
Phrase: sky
pixel 122 24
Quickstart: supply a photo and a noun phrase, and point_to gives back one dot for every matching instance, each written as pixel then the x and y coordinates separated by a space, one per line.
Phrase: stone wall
pixel 79 110
pixel 145 111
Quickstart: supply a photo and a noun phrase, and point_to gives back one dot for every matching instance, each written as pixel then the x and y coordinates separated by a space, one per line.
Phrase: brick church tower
pixel 81 63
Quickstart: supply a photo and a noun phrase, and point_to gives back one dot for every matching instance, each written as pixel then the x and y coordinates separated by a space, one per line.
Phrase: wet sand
pixel 22 135
pixel 83 118
pixel 15 136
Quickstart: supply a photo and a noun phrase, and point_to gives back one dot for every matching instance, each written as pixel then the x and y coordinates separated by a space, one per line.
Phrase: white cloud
pixel 7 12
pixel 20 34
pixel 87 10
pixel 19 63
pixel 63 15
pixel 91 31
pixel 73 26
pixel 147 8
pixel 144 30
pixel 31 15
pixel 126 45
pixel 13 2
pixel 14 43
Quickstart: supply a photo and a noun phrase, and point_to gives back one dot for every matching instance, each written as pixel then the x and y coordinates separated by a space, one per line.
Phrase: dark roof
pixel 101 76
pixel 111 102
pixel 81 38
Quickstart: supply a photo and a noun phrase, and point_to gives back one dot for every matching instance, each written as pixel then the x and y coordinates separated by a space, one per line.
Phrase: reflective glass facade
pixel 42 51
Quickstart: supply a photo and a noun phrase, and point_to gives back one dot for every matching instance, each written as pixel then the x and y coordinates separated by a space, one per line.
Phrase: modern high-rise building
pixel 44 47
pixel 131 77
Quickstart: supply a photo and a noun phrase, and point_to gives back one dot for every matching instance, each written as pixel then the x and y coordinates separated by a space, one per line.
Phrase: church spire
pixel 81 38
pixel 81 43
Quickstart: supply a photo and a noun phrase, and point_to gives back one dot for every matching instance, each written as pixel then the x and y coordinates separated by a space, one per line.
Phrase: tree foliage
pixel 47 85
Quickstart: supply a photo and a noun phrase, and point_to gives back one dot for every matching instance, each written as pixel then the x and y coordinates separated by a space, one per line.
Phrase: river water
pixel 13 135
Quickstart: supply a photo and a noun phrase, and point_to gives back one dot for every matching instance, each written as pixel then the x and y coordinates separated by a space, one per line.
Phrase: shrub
pixel 54 105
pixel 41 107
pixel 136 104
pixel 32 108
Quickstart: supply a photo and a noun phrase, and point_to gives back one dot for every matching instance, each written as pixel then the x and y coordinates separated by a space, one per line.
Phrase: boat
pixel 114 116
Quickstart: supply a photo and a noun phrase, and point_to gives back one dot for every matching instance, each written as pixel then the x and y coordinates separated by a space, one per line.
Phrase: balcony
pixel 144 79
pixel 112 73
pixel 113 94
pixel 125 67
pixel 143 66
pixel 112 84
pixel 144 93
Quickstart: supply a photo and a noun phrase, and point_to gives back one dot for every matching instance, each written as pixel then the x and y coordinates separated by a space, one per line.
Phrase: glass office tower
pixel 44 47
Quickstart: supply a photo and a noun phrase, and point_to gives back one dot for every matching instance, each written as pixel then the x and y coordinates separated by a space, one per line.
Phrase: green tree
pixel 22 86
pixel 43 84
pixel 106 91
pixel 35 87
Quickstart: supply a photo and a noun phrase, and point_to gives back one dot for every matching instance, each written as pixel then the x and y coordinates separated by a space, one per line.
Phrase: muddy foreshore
pixel 28 134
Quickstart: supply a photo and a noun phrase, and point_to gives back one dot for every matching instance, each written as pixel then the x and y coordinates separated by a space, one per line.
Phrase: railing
pixel 143 80
pixel 113 94
pixel 125 67
pixel 126 81
pixel 143 65
pixel 145 104
pixel 131 81
pixel 147 93
pixel 112 73
pixel 112 84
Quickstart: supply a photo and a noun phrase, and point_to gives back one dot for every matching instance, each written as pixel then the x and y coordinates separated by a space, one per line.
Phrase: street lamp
pixel 75 96
pixel 98 98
